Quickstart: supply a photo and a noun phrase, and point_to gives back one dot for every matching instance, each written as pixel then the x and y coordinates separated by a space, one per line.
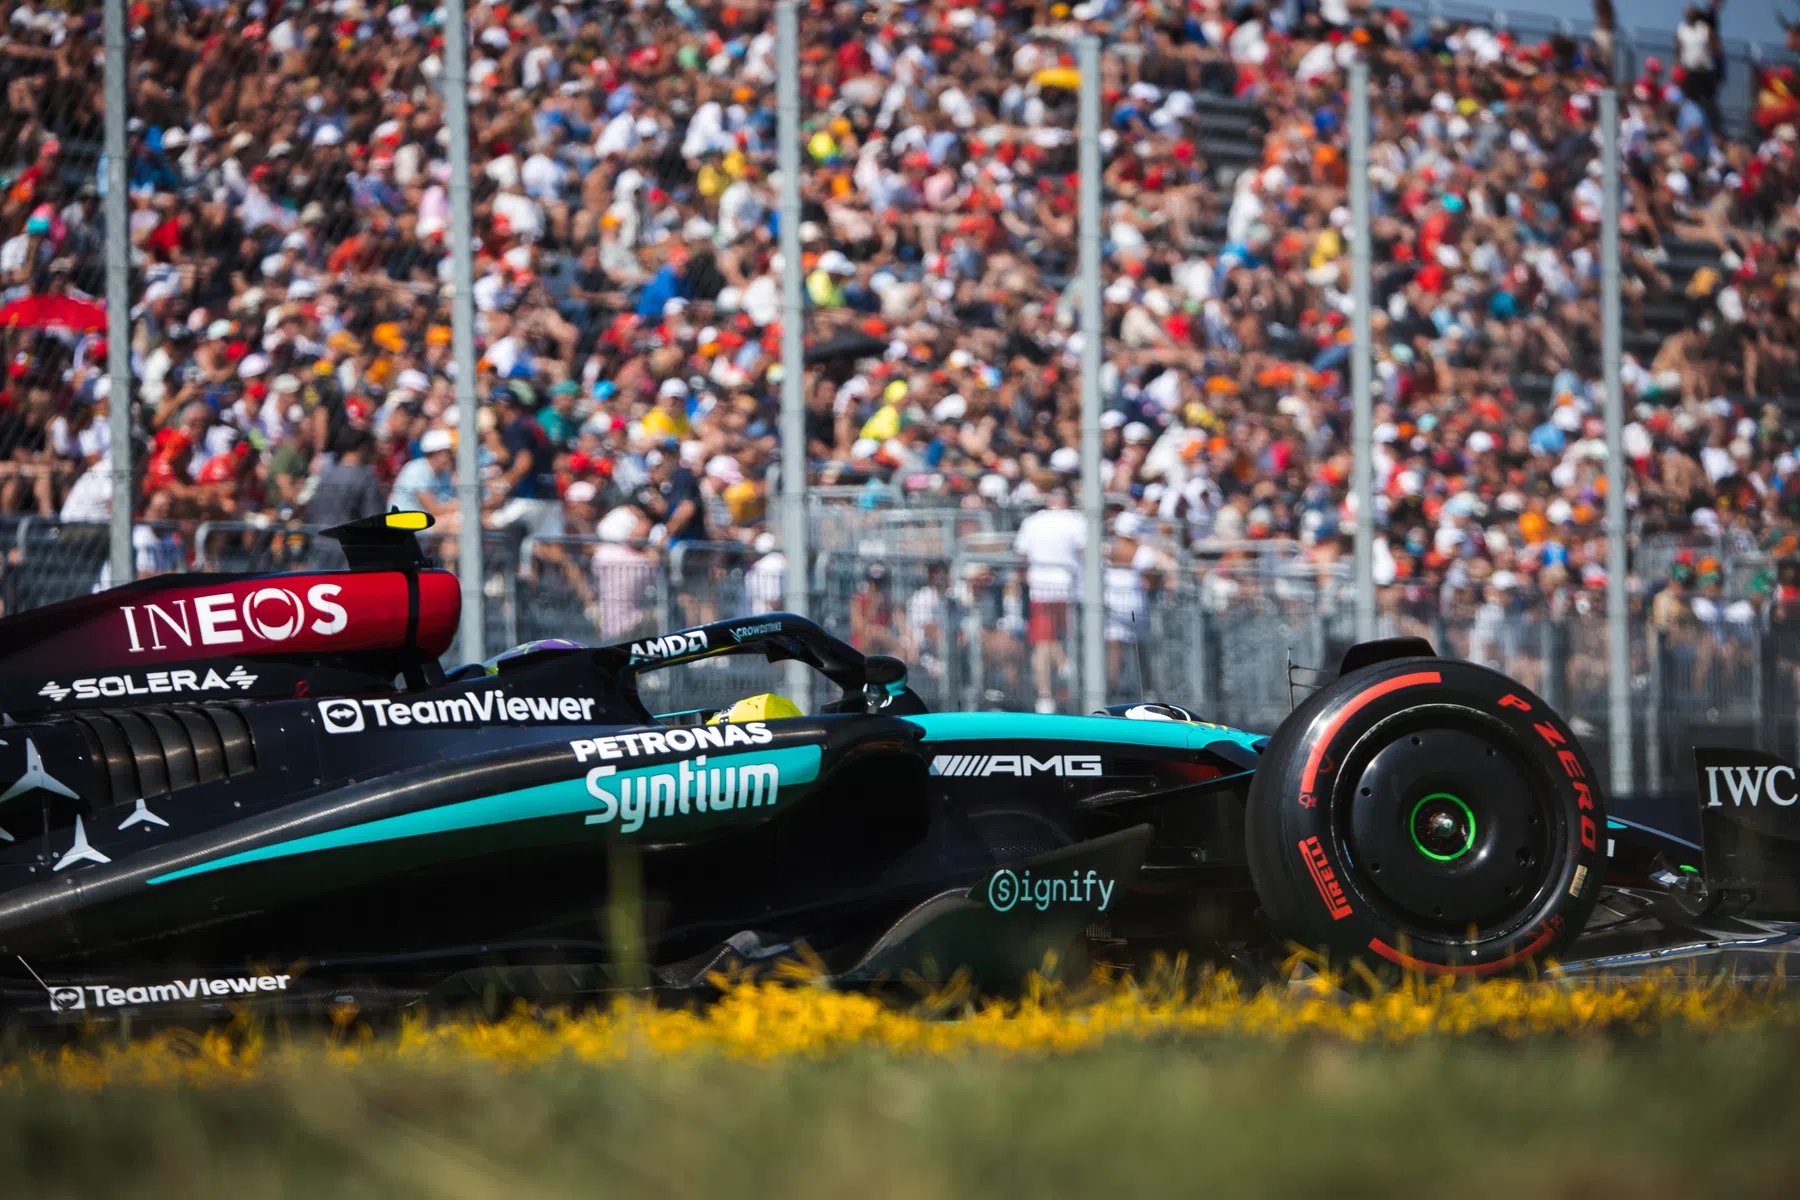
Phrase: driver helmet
pixel 1164 712
pixel 477 670
pixel 526 649
pixel 765 707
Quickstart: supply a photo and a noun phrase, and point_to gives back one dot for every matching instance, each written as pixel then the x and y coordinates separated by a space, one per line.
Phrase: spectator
pixel 766 580
pixel 1129 562
pixel 578 519
pixel 155 546
pixel 1051 541
pixel 624 573
pixel 994 625
pixel 1700 54
pixel 90 499
pixel 873 625
pixel 554 559
pixel 1672 622
pixel 927 623
pixel 23 253
pixel 26 464
pixel 591 292
pixel 83 435
pixel 522 449
pixel 289 242
pixel 675 498
pixel 347 490
pixel 427 483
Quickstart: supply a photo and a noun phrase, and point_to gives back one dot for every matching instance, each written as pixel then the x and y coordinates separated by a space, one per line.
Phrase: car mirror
pixel 884 677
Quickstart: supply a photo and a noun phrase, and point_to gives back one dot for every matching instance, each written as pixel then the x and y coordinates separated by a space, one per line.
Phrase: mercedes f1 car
pixel 226 790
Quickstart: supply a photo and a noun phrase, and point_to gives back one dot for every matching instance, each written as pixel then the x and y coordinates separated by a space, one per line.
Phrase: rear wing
pixel 180 638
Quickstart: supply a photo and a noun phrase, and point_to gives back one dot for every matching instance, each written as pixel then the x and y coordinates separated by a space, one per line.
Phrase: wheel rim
pixel 1450 830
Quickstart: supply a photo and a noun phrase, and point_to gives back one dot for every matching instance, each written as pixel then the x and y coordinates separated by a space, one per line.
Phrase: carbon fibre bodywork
pixel 403 840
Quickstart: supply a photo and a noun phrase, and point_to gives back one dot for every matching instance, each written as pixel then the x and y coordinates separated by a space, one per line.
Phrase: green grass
pixel 1670 1114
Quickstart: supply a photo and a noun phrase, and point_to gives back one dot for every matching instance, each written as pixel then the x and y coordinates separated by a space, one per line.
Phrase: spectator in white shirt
pixel 766 579
pixel 90 497
pixel 1051 540
pixel 926 624
pixel 624 571
pixel 1128 561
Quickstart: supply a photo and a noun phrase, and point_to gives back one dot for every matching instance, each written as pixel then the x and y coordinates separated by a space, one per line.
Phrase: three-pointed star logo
pixel 141 815
pixel 36 777
pixel 80 851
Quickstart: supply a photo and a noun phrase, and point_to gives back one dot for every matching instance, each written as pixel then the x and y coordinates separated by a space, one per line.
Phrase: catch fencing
pixel 1240 640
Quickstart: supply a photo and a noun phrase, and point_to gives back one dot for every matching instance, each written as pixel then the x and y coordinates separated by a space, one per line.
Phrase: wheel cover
pixel 1443 827
pixel 1451 833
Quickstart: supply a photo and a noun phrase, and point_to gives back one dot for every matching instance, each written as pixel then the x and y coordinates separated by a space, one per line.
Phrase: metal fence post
pixel 665 618
pixel 977 685
pixel 1074 641
pixel 793 345
pixel 118 295
pixel 1776 701
pixel 1093 346
pixel 1757 645
pixel 1617 602
pixel 462 334
pixel 1200 669
pixel 952 649
pixel 510 614
pixel 1652 721
pixel 1362 419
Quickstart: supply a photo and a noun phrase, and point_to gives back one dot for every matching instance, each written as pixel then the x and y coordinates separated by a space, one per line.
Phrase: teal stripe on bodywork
pixel 961 727
pixel 567 797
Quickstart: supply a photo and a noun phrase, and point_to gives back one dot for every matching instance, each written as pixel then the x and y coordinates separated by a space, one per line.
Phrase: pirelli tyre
pixel 1429 814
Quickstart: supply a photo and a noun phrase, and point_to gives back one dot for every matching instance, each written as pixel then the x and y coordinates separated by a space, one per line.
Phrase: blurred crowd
pixel 291 212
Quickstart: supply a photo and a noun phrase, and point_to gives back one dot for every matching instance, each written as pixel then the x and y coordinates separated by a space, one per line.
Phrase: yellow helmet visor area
pixel 766 706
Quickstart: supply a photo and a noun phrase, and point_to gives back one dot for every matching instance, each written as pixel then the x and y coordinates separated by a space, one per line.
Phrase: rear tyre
pixel 1428 814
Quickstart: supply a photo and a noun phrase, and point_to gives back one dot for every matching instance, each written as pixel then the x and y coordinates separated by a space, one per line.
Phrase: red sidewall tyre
pixel 1430 814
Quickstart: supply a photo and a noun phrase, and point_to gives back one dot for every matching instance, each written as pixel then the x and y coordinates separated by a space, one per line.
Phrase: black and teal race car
pixel 227 790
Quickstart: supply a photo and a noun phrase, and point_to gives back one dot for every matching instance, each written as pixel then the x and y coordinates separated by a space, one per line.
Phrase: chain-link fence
pixel 1238 640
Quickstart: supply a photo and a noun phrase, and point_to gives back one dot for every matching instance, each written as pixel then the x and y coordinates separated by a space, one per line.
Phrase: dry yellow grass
pixel 1673 1087
pixel 791 1016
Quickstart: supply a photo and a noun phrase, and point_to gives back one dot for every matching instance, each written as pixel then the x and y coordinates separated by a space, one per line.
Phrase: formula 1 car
pixel 226 790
